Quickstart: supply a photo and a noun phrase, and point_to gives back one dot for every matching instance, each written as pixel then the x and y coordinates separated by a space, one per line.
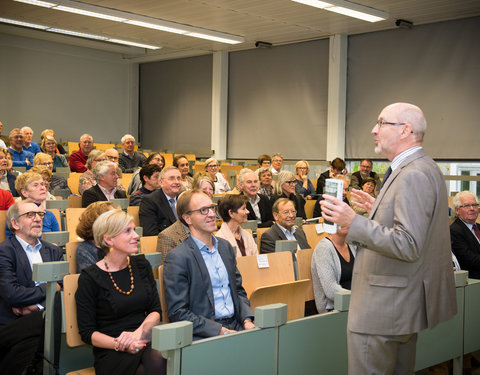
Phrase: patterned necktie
pixel 387 175
pixel 174 209
pixel 476 231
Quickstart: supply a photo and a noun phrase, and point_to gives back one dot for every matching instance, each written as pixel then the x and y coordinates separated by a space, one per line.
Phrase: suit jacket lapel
pixel 418 154
pixel 203 269
pixel 167 207
pixel 100 192
pixel 23 260
pixel 279 232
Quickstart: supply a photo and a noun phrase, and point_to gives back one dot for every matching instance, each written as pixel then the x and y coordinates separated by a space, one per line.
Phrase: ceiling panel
pixel 275 21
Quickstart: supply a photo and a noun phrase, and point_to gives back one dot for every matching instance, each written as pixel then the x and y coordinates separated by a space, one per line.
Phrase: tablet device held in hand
pixel 335 188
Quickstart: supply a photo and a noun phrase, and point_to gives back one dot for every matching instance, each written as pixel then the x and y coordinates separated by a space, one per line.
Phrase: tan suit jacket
pixel 403 278
pixel 171 237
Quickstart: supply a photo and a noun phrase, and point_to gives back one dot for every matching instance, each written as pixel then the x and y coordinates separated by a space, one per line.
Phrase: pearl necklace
pixel 132 286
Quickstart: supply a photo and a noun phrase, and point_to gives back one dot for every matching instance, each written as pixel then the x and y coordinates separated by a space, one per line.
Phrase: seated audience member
pixel 22 301
pixel 130 160
pixel 118 303
pixel 158 209
pixel 105 173
pixel 149 174
pixel 337 166
pixel 365 171
pixel 49 146
pixel 28 145
pixel 30 185
pixel 112 155
pixel 181 162
pixel 51 133
pixel 47 176
pixel 368 186
pixel 233 210
pixel 78 159
pixel 259 206
pixel 332 266
pixel 153 158
pixel 10 163
pixel 86 180
pixel 220 181
pixel 317 209
pixel 203 266
pixel 285 188
pixel 277 163
pixel 303 185
pixel 6 200
pixel 21 157
pixel 465 233
pixel 264 161
pixel 5 142
pixel 7 178
pixel 87 252
pixel 56 181
pixel 265 176
pixel 284 228
pixel 202 181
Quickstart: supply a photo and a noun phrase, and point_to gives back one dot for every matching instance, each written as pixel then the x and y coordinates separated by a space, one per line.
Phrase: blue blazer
pixel 16 286
pixel 188 289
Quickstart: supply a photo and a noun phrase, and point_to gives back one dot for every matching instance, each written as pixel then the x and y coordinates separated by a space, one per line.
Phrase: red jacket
pixel 77 162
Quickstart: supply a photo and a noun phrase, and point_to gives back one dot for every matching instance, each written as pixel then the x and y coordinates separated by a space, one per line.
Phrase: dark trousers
pixel 20 341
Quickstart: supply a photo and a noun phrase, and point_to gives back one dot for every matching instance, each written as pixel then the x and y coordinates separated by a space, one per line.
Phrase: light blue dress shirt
pixel 219 279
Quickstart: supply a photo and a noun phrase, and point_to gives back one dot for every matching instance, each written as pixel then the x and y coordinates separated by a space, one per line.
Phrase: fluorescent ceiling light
pixel 79 34
pixel 348 8
pixel 88 13
pixel 137 20
pixel 141 45
pixel 220 39
pixel 155 26
pixel 20 23
pixel 37 3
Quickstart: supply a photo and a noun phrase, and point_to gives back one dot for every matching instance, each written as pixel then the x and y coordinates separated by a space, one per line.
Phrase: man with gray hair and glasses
pixel 22 300
pixel 465 233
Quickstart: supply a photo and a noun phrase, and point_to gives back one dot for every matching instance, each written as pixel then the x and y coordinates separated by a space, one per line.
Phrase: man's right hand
pixel 223 330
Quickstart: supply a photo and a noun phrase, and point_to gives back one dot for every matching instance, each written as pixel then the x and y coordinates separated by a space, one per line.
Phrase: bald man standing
pixel 403 278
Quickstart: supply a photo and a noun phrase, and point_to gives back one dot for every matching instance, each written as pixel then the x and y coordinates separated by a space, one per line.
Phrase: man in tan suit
pixel 402 279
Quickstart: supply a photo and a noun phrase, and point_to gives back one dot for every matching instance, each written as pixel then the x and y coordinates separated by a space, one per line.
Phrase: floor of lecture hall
pixel 471 366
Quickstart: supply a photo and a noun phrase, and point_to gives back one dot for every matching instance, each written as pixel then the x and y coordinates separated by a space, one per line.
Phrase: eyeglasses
pixel 291 182
pixel 112 157
pixel 47 163
pixel 473 205
pixel 381 123
pixel 212 166
pixel 204 210
pixel 289 212
pixel 31 214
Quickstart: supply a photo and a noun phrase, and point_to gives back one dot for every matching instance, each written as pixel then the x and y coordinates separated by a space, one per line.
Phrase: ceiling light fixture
pixel 348 8
pixel 79 34
pixel 137 20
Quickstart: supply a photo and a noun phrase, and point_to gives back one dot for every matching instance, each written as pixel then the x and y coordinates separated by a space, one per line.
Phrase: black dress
pixel 102 308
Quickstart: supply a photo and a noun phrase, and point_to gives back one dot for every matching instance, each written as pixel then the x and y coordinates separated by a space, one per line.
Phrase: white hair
pixel 457 198
pixel 125 137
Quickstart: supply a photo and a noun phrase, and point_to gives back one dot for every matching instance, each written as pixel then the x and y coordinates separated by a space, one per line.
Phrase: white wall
pixel 72 90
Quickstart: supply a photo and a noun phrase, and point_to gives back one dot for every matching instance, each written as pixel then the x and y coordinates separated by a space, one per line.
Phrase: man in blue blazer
pixel 201 279
pixel 21 299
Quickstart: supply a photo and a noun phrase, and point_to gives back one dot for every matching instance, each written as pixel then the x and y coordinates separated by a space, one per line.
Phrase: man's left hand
pixel 247 324
pixel 335 210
